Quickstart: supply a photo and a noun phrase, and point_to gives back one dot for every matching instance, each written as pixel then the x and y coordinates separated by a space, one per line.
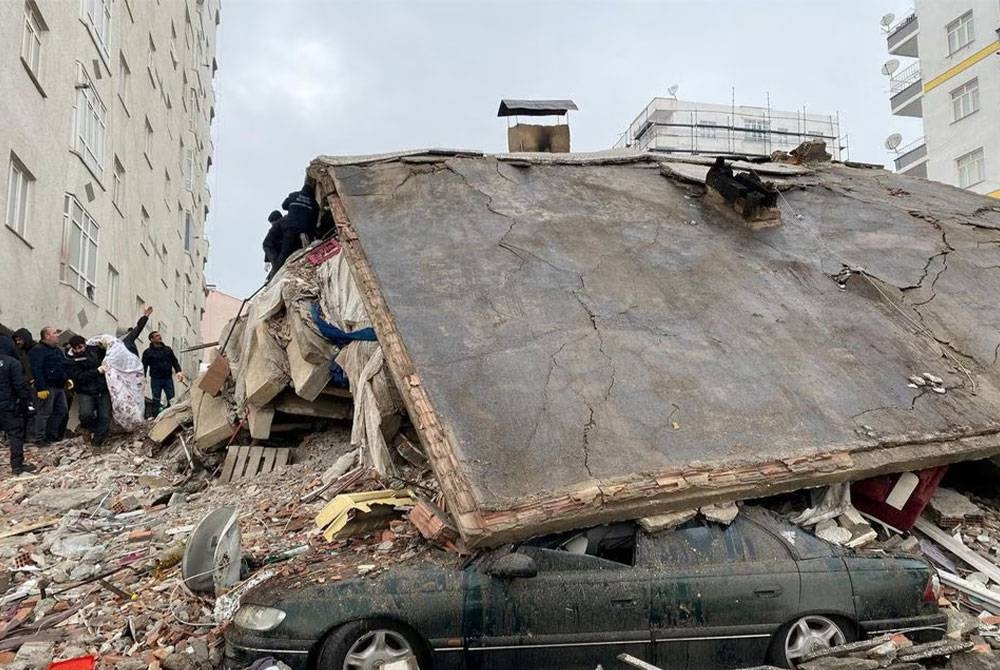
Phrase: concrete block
pixel 324 408
pixel 260 420
pixel 661 522
pixel 169 421
pixel 265 368
pixel 309 379
pixel 211 418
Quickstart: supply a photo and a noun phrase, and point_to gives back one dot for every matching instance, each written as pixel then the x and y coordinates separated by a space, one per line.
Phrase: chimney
pixel 536 137
pixel 754 200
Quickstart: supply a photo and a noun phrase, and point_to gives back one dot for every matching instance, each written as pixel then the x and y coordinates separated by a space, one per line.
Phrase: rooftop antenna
pixel 890 66
pixel 886 22
pixel 893 141
pixel 672 91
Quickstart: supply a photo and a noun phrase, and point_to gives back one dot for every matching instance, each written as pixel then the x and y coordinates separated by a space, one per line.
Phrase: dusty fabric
pixel 125 381
pixel 363 361
pixel 341 299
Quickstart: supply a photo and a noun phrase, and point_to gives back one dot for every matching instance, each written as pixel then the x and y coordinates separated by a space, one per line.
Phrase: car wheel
pixel 373 644
pixel 806 635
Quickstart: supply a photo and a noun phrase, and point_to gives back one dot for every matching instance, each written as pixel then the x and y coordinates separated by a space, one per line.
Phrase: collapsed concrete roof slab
pixel 584 341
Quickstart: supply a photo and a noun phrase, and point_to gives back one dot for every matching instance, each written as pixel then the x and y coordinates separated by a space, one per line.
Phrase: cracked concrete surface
pixel 558 314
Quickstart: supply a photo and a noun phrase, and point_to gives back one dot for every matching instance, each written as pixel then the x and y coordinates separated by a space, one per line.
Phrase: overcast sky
pixel 299 78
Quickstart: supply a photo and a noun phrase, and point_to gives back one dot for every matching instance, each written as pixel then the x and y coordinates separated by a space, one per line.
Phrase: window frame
pixel 970 159
pixel 99 23
pixel 114 285
pixel 22 202
pixel 33 26
pixel 82 279
pixel 964 23
pixel 124 81
pixel 118 183
pixel 90 123
pixel 969 91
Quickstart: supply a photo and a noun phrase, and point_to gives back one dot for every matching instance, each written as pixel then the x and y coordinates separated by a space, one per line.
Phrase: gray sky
pixel 299 78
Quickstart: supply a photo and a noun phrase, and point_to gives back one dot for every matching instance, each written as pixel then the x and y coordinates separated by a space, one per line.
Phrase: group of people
pixel 293 230
pixel 40 381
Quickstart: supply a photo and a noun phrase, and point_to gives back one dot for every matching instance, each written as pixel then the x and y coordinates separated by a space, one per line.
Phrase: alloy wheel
pixel 811 634
pixel 381 649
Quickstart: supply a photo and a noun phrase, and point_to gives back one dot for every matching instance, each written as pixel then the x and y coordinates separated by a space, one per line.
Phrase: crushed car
pixel 702 595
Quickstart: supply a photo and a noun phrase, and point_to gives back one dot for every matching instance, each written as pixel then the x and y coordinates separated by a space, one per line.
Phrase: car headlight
pixel 258 617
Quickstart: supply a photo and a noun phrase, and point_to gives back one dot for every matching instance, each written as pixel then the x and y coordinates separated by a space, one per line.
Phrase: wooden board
pixel 250 461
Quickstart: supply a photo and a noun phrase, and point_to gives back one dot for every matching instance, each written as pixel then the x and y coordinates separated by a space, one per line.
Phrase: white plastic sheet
pixel 125 381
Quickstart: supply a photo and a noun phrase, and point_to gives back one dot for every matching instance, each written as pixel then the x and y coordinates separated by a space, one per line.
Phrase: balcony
pixel 906 92
pixel 912 159
pixel 902 37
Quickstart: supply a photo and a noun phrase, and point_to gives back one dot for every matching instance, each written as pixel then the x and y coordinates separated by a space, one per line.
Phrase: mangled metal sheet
pixel 584 342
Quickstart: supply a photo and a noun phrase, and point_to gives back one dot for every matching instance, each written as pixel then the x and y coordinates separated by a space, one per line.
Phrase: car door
pixel 717 593
pixel 579 611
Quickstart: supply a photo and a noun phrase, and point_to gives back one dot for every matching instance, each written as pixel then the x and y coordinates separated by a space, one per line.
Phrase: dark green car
pixel 700 596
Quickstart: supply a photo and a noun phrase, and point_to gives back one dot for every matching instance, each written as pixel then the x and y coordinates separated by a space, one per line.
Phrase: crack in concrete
pixel 586 440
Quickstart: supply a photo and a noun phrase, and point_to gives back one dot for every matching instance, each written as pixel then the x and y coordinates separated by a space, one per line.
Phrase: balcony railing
pixel 910 154
pixel 901 25
pixel 904 78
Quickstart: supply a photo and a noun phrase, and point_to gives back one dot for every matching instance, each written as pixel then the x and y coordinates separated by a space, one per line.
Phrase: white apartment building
pixel 677 126
pixel 104 143
pixel 947 73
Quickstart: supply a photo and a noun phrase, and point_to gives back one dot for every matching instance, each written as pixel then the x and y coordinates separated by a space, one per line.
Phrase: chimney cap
pixel 510 107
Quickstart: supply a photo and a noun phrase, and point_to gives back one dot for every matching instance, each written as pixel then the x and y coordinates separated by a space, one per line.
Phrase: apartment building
pixel 105 147
pixel 946 71
pixel 676 126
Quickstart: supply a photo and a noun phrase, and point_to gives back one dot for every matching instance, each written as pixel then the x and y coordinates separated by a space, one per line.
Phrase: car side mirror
pixel 513 566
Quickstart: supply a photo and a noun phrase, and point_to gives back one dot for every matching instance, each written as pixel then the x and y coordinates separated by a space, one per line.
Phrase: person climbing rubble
pixel 86 369
pixel 16 405
pixel 272 241
pixel 124 375
pixel 48 364
pixel 303 210
pixel 160 362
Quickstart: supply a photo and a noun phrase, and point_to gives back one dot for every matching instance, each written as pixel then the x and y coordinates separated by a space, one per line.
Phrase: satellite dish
pixel 890 66
pixel 887 20
pixel 893 141
pixel 672 91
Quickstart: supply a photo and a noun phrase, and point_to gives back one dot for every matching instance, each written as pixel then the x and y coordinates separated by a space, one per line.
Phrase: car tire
pixel 817 629
pixel 362 645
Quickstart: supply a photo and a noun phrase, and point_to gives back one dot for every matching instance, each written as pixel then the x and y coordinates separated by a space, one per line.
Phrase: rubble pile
pixel 92 547
pixel 957 651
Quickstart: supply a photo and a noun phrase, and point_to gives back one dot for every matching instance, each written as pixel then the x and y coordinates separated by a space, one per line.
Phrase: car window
pixel 761 545
pixel 802 543
pixel 555 560
pixel 697 542
pixel 613 542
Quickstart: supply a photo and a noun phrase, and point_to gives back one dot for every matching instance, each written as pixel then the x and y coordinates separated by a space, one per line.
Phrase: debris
pixel 989 597
pixel 248 462
pixel 945 647
pixel 212 424
pixel 348 514
pixel 64 500
pixel 212 558
pixel 752 199
pixel 958 549
pixel 810 151
pixel 723 513
pixel 215 376
pixel 433 523
pixel 662 522
pixel 950 508
pixel 35 655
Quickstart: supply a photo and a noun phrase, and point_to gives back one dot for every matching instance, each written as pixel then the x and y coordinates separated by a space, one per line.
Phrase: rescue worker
pixel 272 241
pixel 86 369
pixel 303 210
pixel 24 342
pixel 48 364
pixel 16 405
pixel 159 361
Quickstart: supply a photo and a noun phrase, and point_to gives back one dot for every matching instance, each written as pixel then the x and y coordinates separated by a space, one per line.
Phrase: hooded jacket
pixel 49 366
pixel 303 210
pixel 13 387
pixel 22 352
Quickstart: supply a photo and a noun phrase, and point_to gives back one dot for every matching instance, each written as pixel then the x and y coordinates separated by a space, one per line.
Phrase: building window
pixel 971 168
pixel 188 167
pixel 98 17
pixel 187 231
pixel 961 32
pixel 756 129
pixel 90 117
pixel 707 129
pixel 124 80
pixel 177 288
pixel 118 186
pixel 112 305
pixel 79 256
pixel 31 40
pixel 147 147
pixel 20 184
pixel 965 100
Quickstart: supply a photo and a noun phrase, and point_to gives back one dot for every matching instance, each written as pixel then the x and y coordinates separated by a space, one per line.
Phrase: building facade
pixel 220 308
pixel 105 144
pixel 676 126
pixel 946 71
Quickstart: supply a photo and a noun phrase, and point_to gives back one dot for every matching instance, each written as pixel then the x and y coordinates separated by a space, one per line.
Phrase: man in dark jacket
pixel 23 341
pixel 87 372
pixel 272 241
pixel 51 381
pixel 160 362
pixel 129 339
pixel 15 405
pixel 303 211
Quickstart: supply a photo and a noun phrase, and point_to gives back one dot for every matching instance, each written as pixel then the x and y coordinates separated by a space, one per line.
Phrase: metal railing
pixel 901 24
pixel 904 78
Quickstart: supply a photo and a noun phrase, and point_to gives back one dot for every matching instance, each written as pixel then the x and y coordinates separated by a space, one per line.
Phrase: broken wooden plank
pixel 254 461
pixel 281 458
pixel 241 462
pixel 229 465
pixel 981 564
pixel 22 528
